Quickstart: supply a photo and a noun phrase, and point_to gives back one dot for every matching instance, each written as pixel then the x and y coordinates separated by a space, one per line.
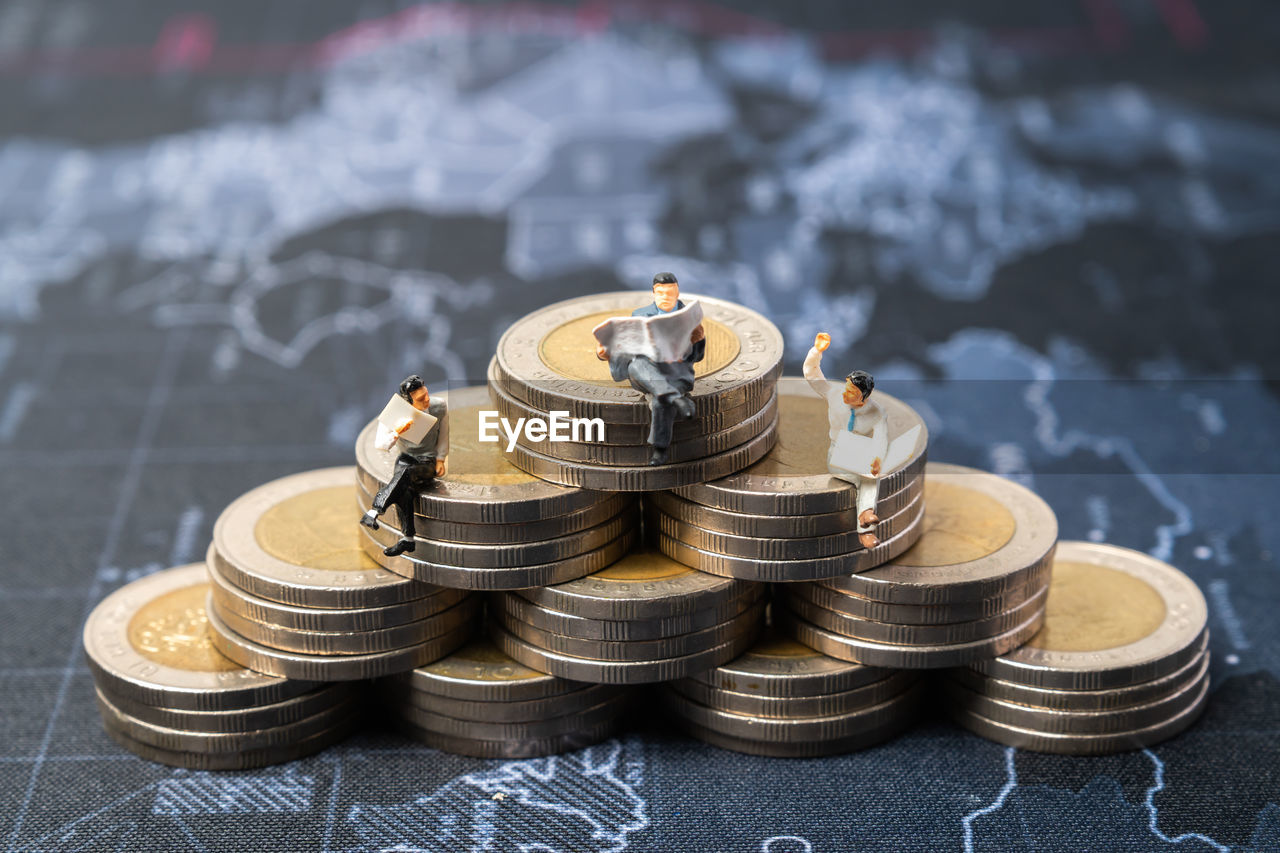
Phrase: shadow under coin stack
pixel 480 702
pixel 167 695
pixel 784 699
pixel 973 587
pixel 546 363
pixel 644 619
pixel 294 595
pixel 786 518
pixel 487 524
pixel 1121 663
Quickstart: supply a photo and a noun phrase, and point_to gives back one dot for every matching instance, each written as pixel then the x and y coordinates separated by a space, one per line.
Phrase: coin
pixel 328 667
pixel 508 712
pixel 778 549
pixel 480 672
pixel 786 571
pixel 295 540
pixel 795 707
pixel 240 759
pixel 867 737
pixel 644 478
pixel 903 656
pixel 621 629
pixel 493 730
pixel 510 577
pixel 547 359
pixel 149 642
pixel 619 672
pixel 481 485
pixel 777 666
pixel 632 650
pixel 983 535
pixel 642 585
pixel 239 720
pixel 1116 617
pixel 778 526
pixel 793 479
pixel 528 748
pixel 1083 744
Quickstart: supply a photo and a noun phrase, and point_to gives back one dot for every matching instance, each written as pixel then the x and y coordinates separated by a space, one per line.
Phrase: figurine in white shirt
pixel 418 428
pixel 850 411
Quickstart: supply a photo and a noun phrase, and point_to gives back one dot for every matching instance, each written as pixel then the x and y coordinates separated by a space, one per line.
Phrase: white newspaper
pixel 660 338
pixel 398 411
pixel 853 453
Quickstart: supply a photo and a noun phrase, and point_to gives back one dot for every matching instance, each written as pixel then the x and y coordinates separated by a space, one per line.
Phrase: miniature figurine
pixel 859 435
pixel 419 426
pixel 657 357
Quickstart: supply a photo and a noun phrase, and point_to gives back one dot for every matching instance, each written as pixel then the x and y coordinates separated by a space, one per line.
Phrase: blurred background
pixel 228 229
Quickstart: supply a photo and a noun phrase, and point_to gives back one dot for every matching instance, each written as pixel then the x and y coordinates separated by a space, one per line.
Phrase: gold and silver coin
pixel 166 693
pixel 478 701
pixel 1122 661
pixel 974 586
pixel 782 698
pixel 546 362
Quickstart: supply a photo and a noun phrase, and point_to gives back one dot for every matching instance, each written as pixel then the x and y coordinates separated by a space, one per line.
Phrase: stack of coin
pixel 784 699
pixel 293 594
pixel 1122 661
pixel 786 518
pixel 477 701
pixel 547 363
pixel 166 694
pixel 973 587
pixel 646 618
pixel 488 525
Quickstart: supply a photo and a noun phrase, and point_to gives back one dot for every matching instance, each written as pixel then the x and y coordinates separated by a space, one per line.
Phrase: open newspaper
pixel 852 453
pixel 398 411
pixel 660 338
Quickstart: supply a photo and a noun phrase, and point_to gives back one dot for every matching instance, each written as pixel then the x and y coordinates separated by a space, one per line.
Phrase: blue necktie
pixel 853 415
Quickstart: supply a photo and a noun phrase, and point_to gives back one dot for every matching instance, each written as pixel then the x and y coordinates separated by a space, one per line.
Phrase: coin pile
pixel 488 525
pixel 974 586
pixel 784 699
pixel 646 618
pixel 477 701
pixel 166 694
pixel 1122 661
pixel 785 518
pixel 293 594
pixel 546 363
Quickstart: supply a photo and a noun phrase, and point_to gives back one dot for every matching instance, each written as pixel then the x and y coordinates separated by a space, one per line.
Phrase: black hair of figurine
pixel 411 384
pixel 862 381
pixel 664 278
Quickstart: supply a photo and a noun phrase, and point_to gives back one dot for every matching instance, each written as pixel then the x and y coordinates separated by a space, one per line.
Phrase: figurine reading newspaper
pixel 403 422
pixel 661 338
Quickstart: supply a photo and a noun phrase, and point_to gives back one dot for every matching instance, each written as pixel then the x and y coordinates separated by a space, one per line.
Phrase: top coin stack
pixel 546 363
pixel 487 524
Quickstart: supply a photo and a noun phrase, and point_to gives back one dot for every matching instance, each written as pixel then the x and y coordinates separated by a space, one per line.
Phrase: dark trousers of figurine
pixel 667 385
pixel 411 474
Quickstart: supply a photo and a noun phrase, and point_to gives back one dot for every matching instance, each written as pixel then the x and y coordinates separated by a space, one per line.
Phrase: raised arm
pixel 813 365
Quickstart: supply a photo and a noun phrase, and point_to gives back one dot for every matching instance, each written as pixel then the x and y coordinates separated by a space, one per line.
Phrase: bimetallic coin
pixel 795 707
pixel 328 667
pixel 547 359
pixel 631 650
pixel 777 666
pixel 531 748
pixel 493 730
pixel 788 571
pixel 511 577
pixel 464 556
pixel 778 526
pixel 865 738
pixel 617 672
pixel 481 672
pixel 296 540
pixel 642 585
pixel 1083 744
pixel 341 643
pixel 481 485
pixel 621 629
pixel 229 597
pixel 902 656
pixel 1115 617
pixel 239 759
pixel 770 549
pixel 914 635
pixel 149 642
pixel 983 535
pixel 508 712
pixel 793 479
pixel 239 720
pixel 644 478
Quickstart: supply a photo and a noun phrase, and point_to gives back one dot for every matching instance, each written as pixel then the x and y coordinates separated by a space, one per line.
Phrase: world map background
pixel 226 230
